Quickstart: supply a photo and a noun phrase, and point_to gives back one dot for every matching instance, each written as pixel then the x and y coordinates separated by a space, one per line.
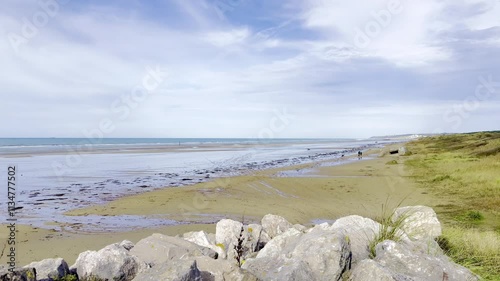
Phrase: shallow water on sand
pixel 51 183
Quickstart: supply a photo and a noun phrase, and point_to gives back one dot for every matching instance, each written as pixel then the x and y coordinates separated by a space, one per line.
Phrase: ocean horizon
pixel 118 141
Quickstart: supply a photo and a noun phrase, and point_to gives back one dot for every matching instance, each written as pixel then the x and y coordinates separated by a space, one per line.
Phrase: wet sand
pixel 302 194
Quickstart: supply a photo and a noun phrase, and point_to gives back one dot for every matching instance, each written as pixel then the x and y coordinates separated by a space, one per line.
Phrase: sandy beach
pixel 305 194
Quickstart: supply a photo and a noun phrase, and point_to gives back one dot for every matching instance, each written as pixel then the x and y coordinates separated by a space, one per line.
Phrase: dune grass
pixel 473 248
pixel 391 227
pixel 464 169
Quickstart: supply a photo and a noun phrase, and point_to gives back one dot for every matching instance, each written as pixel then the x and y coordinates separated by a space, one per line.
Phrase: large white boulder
pixel 274 225
pixel 159 248
pixel 113 262
pixel 174 270
pixel 360 232
pixel 420 222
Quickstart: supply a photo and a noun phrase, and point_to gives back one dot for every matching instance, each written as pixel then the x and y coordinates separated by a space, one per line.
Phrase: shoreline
pixel 358 187
pixel 53 201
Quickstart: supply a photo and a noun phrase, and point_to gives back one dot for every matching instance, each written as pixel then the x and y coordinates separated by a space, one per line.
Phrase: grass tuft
pixel 391 228
pixel 474 216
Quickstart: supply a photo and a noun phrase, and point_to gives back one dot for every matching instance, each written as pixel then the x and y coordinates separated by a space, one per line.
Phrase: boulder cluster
pixel 272 250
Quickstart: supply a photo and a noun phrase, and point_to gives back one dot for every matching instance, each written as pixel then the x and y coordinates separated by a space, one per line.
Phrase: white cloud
pixel 399 31
pixel 228 38
pixel 226 78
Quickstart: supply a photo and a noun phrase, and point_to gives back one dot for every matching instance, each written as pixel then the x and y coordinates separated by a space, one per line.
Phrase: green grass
pixel 391 228
pixel 463 170
pixel 475 249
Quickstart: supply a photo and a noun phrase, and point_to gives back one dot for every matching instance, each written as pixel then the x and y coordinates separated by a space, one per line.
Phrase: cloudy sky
pixel 248 68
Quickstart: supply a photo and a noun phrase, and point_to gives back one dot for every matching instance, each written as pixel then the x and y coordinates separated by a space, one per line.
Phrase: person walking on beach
pixel 360 155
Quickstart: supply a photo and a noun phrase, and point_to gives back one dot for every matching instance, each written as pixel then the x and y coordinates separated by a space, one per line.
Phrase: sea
pixel 55 175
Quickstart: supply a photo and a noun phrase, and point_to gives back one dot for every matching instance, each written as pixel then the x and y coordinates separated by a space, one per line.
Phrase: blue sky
pixel 241 68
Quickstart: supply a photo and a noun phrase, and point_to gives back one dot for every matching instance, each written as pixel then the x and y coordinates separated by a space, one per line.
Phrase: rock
pixel 321 253
pixel 211 237
pixel 221 270
pixel 278 269
pixel 228 233
pixel 369 270
pixel 360 231
pixel 264 238
pixel 277 246
pixel 429 247
pixel 326 252
pixel 159 248
pixel 50 268
pixel 399 258
pixel 323 226
pixel 253 238
pixel 300 227
pixel 19 274
pixel 420 222
pixel 201 238
pixel 173 270
pixel 128 245
pixel 113 262
pixel 198 238
pixel 275 225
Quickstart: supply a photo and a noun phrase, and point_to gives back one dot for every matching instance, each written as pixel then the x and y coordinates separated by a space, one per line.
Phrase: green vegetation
pixel 475 249
pixel 69 277
pixel 391 228
pixel 220 245
pixel 464 171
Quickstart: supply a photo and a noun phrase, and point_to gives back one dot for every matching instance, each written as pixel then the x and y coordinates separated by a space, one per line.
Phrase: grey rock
pixel 159 248
pixel 254 241
pixel 174 270
pixel 325 253
pixel 221 270
pixel 201 238
pixel 420 223
pixel 128 245
pixel 113 262
pixel 198 238
pixel 50 268
pixel 278 269
pixel 277 246
pixel 228 233
pixel 369 270
pixel 264 238
pixel 360 232
pixel 211 237
pixel 300 227
pixel 275 225
pixel 19 274
pixel 401 259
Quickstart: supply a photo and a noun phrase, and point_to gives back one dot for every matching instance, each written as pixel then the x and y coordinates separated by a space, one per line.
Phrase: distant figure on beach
pixel 360 154
pixel 342 156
